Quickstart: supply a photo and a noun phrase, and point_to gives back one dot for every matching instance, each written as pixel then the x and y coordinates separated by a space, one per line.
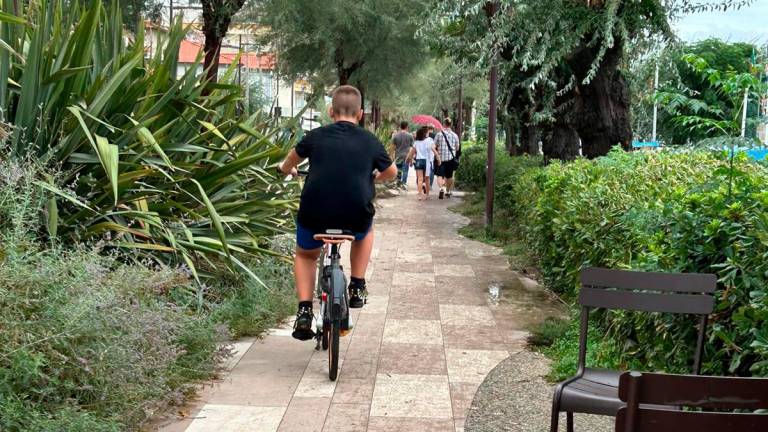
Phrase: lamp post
pixel 490 10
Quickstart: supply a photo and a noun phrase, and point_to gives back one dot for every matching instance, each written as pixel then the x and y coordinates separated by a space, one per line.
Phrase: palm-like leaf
pixel 155 165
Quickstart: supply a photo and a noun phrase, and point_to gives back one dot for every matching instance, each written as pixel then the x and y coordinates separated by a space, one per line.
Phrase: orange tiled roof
pixel 189 51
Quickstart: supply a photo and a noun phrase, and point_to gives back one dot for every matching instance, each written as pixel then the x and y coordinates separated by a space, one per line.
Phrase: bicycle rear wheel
pixel 333 352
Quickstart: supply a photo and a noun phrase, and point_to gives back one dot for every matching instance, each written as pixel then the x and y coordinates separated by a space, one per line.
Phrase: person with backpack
pixel 449 150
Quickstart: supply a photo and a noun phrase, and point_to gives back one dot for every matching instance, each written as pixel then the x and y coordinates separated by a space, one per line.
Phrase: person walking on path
pixel 403 141
pixel 422 154
pixel 448 148
pixel 338 194
pixel 431 135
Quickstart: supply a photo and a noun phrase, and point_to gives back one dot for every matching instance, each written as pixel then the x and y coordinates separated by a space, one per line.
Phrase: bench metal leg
pixel 555 412
pixel 569 417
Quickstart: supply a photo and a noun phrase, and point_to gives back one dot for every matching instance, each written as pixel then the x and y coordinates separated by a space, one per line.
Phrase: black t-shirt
pixel 339 190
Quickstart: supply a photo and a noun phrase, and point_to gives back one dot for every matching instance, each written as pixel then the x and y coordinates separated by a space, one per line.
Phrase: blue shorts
pixel 305 237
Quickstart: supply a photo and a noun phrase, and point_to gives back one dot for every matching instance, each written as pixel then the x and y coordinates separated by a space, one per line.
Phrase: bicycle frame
pixel 331 290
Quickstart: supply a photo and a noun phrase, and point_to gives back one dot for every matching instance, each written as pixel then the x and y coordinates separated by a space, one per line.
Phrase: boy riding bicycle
pixel 338 194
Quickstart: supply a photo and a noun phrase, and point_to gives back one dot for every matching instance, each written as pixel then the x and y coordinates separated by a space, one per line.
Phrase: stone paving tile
pixel 305 414
pixel 396 358
pixel 377 304
pixel 238 351
pixel 473 337
pixel 453 269
pixel 461 397
pixel 354 391
pixel 215 418
pixel 466 315
pixel 347 418
pixel 390 424
pixel 413 331
pixel 406 278
pixel 411 396
pixel 418 309
pixel 315 382
pixel 471 366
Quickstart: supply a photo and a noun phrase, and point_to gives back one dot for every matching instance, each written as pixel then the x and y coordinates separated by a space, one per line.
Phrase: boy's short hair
pixel 403 125
pixel 346 101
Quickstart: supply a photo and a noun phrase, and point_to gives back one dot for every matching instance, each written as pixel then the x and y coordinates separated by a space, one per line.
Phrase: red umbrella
pixel 428 120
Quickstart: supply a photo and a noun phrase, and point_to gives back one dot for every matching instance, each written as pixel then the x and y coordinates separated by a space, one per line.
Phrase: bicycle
pixel 331 291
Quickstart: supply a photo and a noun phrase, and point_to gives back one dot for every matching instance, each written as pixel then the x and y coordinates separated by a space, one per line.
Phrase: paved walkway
pixel 441 314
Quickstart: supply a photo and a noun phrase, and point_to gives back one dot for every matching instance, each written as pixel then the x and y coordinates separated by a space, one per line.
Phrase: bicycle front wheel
pixel 333 351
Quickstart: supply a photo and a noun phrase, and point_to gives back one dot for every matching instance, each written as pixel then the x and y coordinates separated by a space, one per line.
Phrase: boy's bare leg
pixel 361 255
pixel 305 270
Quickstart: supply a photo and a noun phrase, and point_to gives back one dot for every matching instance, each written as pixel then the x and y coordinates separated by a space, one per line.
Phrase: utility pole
pixel 490 10
pixel 460 116
pixel 655 102
pixel 239 60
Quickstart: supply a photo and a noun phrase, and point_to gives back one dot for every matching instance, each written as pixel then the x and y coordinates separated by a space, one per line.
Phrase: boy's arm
pixel 386 175
pixel 288 166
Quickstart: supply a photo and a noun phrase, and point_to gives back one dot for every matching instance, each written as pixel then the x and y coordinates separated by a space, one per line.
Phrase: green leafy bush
pixel 681 212
pixel 168 168
pixel 91 343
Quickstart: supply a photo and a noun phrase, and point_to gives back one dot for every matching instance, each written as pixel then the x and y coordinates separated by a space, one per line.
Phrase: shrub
pixel 91 343
pixel 679 212
pixel 166 168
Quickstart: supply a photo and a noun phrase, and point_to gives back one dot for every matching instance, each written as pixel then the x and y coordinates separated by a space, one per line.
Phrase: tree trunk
pixel 529 139
pixel 362 104
pixel 217 15
pixel 602 107
pixel 562 143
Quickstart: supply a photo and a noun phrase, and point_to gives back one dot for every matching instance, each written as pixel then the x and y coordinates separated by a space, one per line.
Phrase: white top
pixel 424 149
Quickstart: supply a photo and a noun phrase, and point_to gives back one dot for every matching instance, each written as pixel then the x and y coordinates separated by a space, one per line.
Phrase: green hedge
pixel 680 212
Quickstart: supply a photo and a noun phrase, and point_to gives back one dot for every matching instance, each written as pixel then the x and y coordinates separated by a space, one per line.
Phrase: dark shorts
pixel 305 237
pixel 446 169
pixel 420 164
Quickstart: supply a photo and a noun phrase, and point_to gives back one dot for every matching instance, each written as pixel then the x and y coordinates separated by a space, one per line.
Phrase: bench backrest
pixel 681 293
pixel 691 391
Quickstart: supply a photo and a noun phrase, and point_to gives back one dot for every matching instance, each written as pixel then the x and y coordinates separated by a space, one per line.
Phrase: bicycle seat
pixel 335 236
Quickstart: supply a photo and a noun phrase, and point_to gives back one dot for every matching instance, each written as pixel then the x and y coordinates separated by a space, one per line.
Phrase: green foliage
pixel 90 343
pixel 548 332
pixel 601 352
pixel 368 43
pixel 717 112
pixel 683 212
pixel 149 163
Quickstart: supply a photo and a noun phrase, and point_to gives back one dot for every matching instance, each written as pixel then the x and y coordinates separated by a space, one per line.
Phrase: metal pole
pixel 655 102
pixel 491 8
pixel 170 14
pixel 240 60
pixel 460 116
pixel 744 114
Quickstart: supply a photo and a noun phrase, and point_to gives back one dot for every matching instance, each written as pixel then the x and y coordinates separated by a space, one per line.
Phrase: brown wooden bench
pixel 702 393
pixel 595 391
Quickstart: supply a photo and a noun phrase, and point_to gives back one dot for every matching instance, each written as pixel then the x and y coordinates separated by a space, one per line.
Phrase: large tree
pixel 367 43
pixel 564 56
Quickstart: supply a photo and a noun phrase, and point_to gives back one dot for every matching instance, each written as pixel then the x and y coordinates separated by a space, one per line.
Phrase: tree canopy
pixel 560 61
pixel 367 43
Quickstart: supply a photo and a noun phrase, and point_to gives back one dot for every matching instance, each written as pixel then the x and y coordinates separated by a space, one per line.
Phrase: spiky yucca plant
pixel 149 162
